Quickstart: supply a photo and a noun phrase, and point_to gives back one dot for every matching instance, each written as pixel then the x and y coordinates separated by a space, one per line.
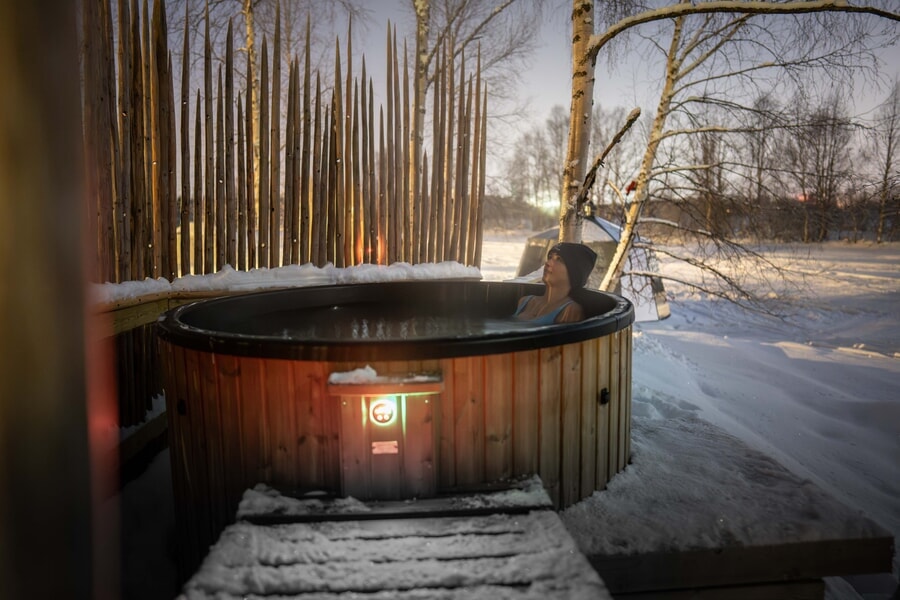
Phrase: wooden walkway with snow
pixel 512 544
pixel 505 545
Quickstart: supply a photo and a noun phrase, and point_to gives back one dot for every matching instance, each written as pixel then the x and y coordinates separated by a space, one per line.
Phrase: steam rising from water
pixel 393 328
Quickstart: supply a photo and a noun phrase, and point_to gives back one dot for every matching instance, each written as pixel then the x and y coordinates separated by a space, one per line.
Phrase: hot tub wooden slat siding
pixel 614 430
pixel 252 444
pixel 239 421
pixel 208 380
pixel 626 382
pixel 199 473
pixel 468 418
pixel 547 444
pixel 232 439
pixel 624 400
pixel 498 412
pixel 570 440
pixel 588 441
pixel 175 375
pixel 526 417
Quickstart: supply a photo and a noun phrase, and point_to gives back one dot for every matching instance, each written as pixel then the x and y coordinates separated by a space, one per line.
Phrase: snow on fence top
pixel 228 279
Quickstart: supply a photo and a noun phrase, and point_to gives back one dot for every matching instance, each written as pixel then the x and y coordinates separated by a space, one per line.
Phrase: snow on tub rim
pixel 249 404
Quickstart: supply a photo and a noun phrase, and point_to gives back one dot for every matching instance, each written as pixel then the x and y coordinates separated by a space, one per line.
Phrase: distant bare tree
pixel 817 160
pixel 760 125
pixel 499 35
pixel 721 42
pixel 886 150
pixel 539 152
pixel 533 171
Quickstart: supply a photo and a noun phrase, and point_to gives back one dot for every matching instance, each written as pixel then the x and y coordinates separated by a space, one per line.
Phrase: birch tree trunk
pixel 586 46
pixel 575 168
pixel 617 264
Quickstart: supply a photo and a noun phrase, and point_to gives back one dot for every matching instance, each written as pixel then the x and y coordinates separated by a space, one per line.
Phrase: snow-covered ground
pixel 817 391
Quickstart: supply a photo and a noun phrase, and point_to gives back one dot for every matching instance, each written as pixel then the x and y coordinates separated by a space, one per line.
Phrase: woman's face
pixel 555 272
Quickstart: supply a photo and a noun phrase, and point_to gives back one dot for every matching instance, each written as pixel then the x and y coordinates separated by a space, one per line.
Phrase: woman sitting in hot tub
pixel 566 271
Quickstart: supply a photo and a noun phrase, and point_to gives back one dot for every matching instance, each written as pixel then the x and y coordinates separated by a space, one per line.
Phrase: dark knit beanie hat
pixel 579 260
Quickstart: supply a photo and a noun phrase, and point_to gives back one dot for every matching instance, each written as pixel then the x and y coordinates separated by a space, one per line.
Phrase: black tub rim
pixel 172 328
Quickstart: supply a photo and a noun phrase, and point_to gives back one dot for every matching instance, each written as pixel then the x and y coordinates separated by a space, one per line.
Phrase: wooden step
pixel 429 551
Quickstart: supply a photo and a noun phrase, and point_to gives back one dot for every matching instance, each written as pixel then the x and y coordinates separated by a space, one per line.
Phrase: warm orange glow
pixel 380 251
pixel 359 254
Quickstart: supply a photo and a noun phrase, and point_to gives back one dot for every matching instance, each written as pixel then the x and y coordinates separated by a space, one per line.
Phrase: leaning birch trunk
pixel 583 60
pixel 626 239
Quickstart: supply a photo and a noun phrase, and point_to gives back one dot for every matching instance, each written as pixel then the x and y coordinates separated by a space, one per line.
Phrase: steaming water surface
pixel 351 323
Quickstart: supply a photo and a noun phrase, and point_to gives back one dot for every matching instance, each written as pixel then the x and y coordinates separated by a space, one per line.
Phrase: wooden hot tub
pixel 249 400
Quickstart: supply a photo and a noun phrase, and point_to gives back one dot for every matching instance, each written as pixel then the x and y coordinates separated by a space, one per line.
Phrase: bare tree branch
pixel 753 7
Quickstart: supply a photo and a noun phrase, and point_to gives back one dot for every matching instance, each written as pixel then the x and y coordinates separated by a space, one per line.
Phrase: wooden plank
pixel 468 381
pixel 419 479
pixel 525 418
pixel 311 438
pixel 257 463
pixel 386 465
pixel 332 444
pixel 549 426
pixel 624 399
pixel 434 366
pixel 197 483
pixel 281 418
pixel 626 381
pixel 739 565
pixel 330 440
pixel 217 509
pixel 498 427
pixel 355 451
pixel 132 313
pixel 570 421
pixel 233 440
pixel 589 404
pixel 180 457
pixel 799 590
pixel 603 474
pixel 510 497
pixel 447 433
pixel 614 401
pixel 135 315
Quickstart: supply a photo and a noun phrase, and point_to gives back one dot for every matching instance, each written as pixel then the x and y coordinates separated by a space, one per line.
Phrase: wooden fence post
pixel 45 540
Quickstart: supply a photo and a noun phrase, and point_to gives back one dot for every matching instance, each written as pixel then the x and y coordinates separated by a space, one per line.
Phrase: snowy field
pixel 817 391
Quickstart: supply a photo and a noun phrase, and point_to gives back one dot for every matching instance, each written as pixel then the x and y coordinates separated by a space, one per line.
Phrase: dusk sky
pixel 630 83
pixel 547 83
